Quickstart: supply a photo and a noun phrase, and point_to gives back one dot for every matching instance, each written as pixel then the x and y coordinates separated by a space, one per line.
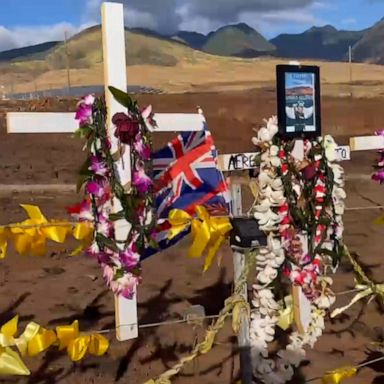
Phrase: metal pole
pixel 239 264
pixel 67 62
pixel 350 67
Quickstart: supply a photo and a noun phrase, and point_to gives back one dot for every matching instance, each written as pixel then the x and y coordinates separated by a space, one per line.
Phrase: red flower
pixel 309 172
pixel 127 127
pixel 281 154
pixel 283 209
pixel 284 168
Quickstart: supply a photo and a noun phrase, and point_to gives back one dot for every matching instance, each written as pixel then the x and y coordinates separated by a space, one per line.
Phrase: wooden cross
pixel 113 35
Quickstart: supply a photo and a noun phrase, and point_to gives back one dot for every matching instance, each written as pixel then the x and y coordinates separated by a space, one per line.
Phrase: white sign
pixel 343 153
pixel 243 161
pixel 238 161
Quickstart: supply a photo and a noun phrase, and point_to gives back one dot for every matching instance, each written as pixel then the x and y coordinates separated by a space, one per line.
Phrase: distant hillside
pixel 193 39
pixel 326 43
pixel 33 51
pixel 237 40
pixel 371 46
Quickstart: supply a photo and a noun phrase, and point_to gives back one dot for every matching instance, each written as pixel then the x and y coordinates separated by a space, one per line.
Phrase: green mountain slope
pixel 326 43
pixel 237 40
pixel 31 52
pixel 370 47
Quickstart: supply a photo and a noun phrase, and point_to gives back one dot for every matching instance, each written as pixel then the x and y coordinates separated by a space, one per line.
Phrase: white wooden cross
pixel 113 34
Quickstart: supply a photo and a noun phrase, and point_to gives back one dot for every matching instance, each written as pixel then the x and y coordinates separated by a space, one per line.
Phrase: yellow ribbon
pixel 33 240
pixel 338 375
pixel 78 345
pixel 286 315
pixel 379 220
pixel 365 290
pixel 83 232
pixel 30 236
pixel 207 232
pixel 32 341
pixel 11 363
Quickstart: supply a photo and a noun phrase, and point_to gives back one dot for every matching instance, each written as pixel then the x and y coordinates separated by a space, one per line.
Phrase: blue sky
pixel 25 22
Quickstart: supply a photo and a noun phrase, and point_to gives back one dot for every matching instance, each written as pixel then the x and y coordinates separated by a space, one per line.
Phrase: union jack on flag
pixel 186 175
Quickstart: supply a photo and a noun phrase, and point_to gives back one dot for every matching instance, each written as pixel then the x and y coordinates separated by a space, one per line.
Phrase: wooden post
pixel 112 15
pixel 238 265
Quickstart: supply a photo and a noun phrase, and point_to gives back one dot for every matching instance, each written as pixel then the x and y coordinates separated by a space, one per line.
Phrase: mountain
pixel 370 47
pixel 85 55
pixel 237 40
pixel 33 51
pixel 326 43
pixel 193 39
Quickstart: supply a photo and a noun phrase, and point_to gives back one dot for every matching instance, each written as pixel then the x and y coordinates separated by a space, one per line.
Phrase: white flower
pixel 267 275
pixel 330 148
pixel 339 193
pixel 338 174
pixel 277 184
pixel 325 301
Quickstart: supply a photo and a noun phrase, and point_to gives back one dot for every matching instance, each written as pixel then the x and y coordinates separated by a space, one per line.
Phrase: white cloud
pixel 23 36
pixel 167 16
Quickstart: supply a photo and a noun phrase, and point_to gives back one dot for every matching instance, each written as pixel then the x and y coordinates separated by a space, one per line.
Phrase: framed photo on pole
pixel 298 101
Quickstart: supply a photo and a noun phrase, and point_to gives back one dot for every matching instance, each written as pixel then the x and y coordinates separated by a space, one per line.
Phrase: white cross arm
pixel 366 143
pixel 243 161
pixel 51 122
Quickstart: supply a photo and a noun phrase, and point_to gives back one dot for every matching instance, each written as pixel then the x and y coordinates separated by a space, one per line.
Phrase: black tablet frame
pixel 281 70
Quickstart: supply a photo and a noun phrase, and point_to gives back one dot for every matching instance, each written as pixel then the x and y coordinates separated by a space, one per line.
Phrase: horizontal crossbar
pixel 56 122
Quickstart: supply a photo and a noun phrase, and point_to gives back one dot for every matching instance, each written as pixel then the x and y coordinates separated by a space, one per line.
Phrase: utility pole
pixel 350 68
pixel 67 62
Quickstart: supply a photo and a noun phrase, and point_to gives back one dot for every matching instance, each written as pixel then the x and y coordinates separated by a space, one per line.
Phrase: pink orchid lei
pixel 120 260
pixel 379 166
pixel 299 201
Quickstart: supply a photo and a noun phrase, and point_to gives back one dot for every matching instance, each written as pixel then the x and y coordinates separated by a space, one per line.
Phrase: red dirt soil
pixel 58 288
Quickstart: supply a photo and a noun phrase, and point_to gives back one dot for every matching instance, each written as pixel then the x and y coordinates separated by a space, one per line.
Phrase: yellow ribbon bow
pixel 11 363
pixel 286 315
pixel 32 341
pixel 207 231
pixel 338 375
pixel 33 240
pixel 78 345
pixel 30 236
pixel 365 290
pixel 83 232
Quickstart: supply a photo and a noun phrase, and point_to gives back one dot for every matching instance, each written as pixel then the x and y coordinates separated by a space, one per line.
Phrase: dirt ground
pixel 58 288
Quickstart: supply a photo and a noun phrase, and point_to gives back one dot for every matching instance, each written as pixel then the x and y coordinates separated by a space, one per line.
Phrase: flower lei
pixel 379 165
pixel 120 260
pixel 295 198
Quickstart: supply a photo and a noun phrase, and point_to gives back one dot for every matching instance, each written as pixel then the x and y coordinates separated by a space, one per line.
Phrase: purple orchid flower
pixel 98 166
pixel 140 180
pixel 89 99
pixel 144 150
pixel 84 110
pixel 83 113
pixel 379 176
pixel 99 189
pixel 129 258
pixel 104 226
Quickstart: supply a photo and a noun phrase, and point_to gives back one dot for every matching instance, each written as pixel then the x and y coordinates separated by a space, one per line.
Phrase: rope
pixel 235 304
pixel 73 223
pixel 362 365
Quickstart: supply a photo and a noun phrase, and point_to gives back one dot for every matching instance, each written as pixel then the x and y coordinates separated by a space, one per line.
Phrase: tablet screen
pixel 300 102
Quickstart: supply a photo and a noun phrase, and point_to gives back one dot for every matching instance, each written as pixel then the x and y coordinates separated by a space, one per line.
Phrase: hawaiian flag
pixel 186 175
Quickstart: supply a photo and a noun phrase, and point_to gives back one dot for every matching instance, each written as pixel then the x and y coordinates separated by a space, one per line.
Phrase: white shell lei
pixel 265 317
